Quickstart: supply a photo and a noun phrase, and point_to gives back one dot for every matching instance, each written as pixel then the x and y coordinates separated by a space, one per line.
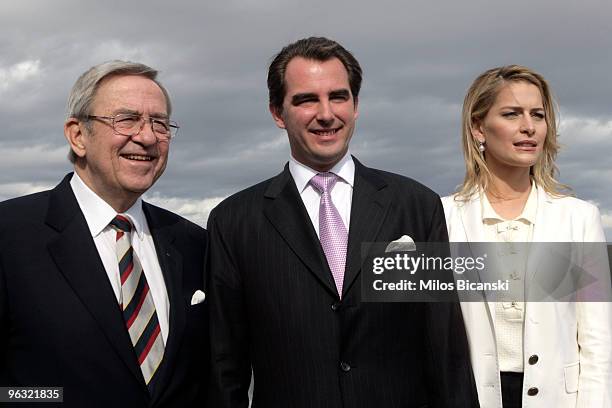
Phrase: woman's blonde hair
pixel 477 103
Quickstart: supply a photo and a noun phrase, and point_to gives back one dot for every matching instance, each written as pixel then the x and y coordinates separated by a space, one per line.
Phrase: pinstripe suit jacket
pixel 275 308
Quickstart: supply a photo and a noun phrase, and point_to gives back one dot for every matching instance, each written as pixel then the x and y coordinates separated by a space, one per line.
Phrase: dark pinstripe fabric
pixel 272 295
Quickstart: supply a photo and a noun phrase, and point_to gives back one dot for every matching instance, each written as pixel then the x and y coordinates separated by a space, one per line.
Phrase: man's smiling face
pixel 319 111
pixel 118 166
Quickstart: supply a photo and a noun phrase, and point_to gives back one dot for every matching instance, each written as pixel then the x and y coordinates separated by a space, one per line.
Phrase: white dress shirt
pixel 510 314
pixel 341 194
pixel 98 214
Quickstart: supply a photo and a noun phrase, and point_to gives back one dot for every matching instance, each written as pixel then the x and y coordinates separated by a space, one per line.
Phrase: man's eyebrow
pixel 159 115
pixel 340 93
pixel 301 97
pixel 126 111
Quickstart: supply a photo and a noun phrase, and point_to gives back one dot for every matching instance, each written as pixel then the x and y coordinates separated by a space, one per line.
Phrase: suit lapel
pixel 370 204
pixel 544 217
pixel 171 264
pixel 77 258
pixel 285 209
pixel 471 218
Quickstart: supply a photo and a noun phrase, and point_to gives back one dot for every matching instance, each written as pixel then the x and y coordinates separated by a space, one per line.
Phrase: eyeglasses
pixel 127 124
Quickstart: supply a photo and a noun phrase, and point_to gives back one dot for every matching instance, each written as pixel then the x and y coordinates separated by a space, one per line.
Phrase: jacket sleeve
pixel 231 364
pixel 594 320
pixel 4 329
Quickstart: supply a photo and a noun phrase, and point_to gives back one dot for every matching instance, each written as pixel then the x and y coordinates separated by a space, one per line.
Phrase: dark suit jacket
pixel 60 324
pixel 275 306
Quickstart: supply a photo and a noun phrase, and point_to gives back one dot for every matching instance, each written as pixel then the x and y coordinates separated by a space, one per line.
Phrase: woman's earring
pixel 481 147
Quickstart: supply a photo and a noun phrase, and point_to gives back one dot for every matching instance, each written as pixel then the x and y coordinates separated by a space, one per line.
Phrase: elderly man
pixel 102 293
pixel 285 265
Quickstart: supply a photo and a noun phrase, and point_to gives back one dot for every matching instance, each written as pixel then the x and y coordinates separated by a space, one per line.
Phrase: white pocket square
pixel 404 243
pixel 198 297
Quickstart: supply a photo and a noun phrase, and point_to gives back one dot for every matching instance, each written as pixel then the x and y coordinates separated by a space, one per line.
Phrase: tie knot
pixel 324 182
pixel 121 223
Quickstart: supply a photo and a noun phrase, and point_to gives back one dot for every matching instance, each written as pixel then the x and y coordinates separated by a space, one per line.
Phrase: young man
pixel 285 258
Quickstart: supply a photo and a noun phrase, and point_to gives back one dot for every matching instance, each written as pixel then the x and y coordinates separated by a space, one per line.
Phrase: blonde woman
pixel 549 355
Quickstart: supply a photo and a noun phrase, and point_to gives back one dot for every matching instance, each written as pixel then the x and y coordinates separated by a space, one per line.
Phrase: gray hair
pixel 83 92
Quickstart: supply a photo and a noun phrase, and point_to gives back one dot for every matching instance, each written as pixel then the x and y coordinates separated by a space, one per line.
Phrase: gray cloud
pixel 418 59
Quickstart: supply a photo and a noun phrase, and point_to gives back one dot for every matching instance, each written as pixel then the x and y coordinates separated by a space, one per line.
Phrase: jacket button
pixel 345 367
pixel 335 306
pixel 533 359
pixel 532 391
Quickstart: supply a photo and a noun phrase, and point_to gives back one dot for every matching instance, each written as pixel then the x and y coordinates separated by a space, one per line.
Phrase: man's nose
pixel 325 113
pixel 146 136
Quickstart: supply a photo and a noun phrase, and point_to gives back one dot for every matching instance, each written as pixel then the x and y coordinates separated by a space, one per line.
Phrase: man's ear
pixel 73 132
pixel 277 115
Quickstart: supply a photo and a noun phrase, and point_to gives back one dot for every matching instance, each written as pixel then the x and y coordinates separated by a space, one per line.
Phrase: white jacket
pixel 567 345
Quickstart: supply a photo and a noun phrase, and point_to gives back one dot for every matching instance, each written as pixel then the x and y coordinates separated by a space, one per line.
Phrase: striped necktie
pixel 137 304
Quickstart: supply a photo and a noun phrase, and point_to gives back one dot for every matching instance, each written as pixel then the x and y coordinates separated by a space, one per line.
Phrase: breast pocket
pixel 197 311
pixel 196 314
pixel 571 373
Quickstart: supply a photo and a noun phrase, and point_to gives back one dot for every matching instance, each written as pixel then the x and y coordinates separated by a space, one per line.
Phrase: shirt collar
pixel 98 213
pixel 302 174
pixel 528 214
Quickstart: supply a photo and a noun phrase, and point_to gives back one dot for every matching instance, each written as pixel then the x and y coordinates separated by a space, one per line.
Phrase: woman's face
pixel 514 129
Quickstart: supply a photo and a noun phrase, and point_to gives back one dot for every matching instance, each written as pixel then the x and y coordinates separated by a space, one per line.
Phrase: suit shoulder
pixel 453 202
pixel 571 201
pixel 575 205
pixel 169 217
pixel 448 200
pixel 31 206
pixel 406 184
pixel 25 202
pixel 242 200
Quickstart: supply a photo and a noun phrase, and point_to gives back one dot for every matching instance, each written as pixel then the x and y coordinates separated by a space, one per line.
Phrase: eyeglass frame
pixel 171 125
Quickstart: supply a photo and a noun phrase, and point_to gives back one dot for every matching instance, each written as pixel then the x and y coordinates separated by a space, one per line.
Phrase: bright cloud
pixel 585 130
pixel 10 190
pixel 34 156
pixel 115 49
pixel 606 218
pixel 17 73
pixel 195 210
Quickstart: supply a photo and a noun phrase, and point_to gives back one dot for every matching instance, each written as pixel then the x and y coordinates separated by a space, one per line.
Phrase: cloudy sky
pixel 418 57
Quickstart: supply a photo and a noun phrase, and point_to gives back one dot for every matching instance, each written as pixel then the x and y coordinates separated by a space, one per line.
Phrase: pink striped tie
pixel 332 231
